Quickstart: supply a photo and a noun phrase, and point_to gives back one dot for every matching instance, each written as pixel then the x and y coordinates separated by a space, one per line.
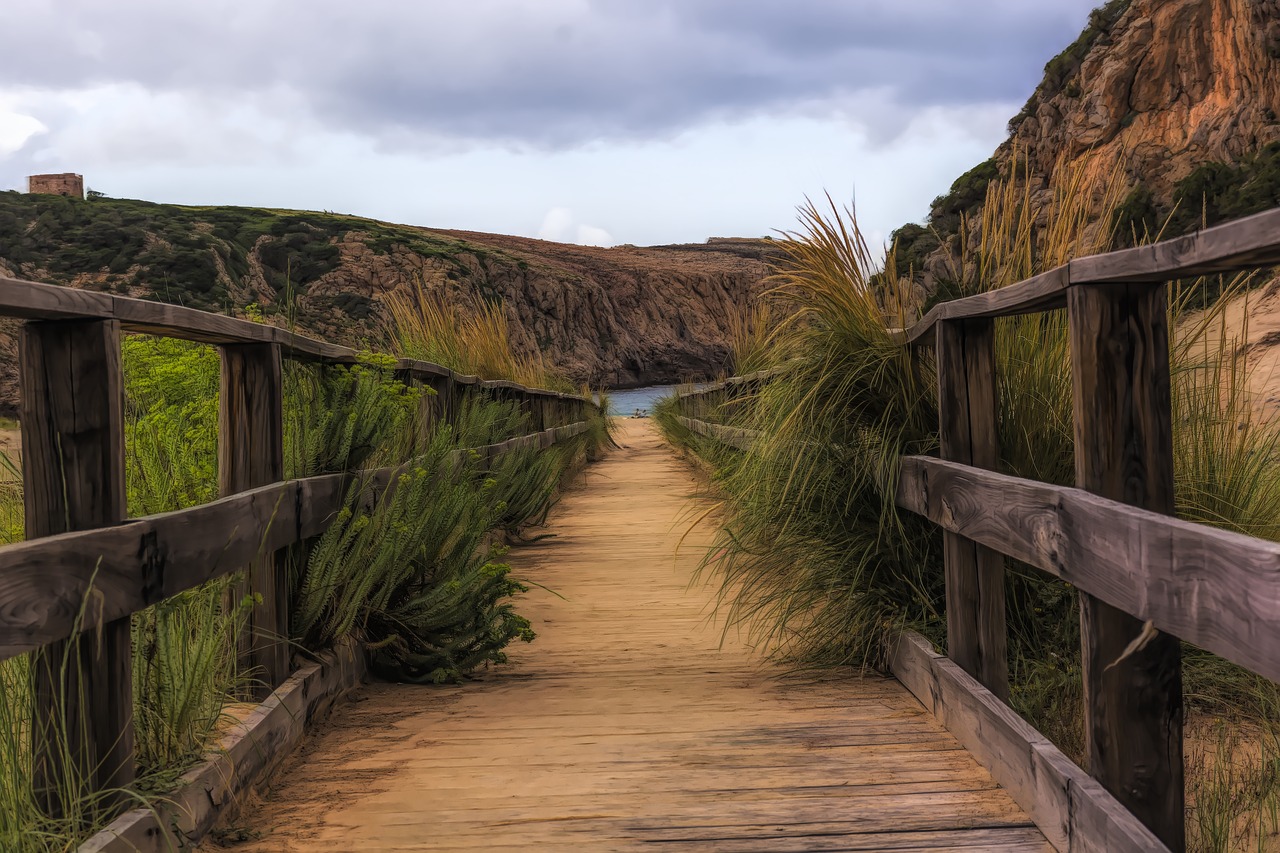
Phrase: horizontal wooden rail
pixel 731 383
pixel 33 301
pixel 738 437
pixel 1216 589
pixel 51 585
pixel 1147 581
pixel 1253 241
pixel 1073 811
pixel 1043 292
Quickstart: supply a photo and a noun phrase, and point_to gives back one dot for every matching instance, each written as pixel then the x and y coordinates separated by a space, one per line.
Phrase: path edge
pixel 246 755
pixel 1071 808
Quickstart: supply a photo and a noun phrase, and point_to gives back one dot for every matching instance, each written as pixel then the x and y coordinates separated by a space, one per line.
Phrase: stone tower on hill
pixel 68 184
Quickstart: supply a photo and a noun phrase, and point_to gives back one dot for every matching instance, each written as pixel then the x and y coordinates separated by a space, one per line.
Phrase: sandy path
pixel 627 725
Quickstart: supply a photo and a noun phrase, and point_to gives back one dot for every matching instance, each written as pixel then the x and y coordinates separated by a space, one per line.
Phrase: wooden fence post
pixel 967 417
pixel 251 454
pixel 457 400
pixel 73 479
pixel 438 402
pixel 1124 451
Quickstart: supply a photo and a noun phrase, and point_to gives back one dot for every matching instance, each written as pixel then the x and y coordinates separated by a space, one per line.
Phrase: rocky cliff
pixel 1183 95
pixel 1163 86
pixel 617 316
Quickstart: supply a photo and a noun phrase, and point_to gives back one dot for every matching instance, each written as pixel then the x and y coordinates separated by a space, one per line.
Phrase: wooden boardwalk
pixel 627 725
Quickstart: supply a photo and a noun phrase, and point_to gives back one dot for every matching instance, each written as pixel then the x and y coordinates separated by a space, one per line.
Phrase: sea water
pixel 625 402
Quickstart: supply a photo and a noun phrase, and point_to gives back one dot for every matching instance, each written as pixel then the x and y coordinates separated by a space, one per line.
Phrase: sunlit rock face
pixel 1152 92
pixel 1173 84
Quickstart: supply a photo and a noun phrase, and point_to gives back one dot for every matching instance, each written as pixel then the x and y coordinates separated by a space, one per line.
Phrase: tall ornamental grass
pixel 814 558
pixel 473 338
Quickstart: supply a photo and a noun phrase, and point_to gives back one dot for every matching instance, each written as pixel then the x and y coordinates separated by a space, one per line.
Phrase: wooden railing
pixel 1146 580
pixel 85 567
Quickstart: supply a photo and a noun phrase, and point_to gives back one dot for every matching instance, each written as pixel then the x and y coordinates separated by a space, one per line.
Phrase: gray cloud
pixel 544 74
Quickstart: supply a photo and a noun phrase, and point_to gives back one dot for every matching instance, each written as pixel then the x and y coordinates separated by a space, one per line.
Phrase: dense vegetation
pixel 413 573
pixel 818 561
pixel 914 242
pixel 1062 73
pixel 1214 192
pixel 204 257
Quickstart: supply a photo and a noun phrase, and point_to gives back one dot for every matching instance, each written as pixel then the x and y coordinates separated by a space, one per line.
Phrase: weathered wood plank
pixel 44 581
pixel 28 300
pixel 251 454
pixel 35 301
pixel 147 317
pixel 423 370
pixel 73 479
pixel 1216 589
pixel 738 437
pixel 731 382
pixel 967 434
pixel 641 722
pixel 245 755
pixel 1124 451
pixel 1253 241
pixel 1042 292
pixel 1074 811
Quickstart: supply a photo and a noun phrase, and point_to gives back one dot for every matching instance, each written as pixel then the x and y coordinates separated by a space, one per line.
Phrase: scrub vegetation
pixel 197 256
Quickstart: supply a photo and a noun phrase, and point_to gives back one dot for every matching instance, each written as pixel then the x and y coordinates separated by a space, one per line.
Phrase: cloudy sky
pixel 593 121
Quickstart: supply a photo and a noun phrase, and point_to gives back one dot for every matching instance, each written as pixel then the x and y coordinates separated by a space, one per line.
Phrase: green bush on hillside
pixel 1061 73
pixel 1211 194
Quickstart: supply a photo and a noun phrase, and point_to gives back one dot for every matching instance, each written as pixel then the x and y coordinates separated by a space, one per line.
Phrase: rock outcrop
pixel 1181 96
pixel 1169 85
pixel 619 316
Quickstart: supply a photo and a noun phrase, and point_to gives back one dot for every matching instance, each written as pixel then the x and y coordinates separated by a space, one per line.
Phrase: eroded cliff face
pixel 1171 85
pixel 1154 92
pixel 619 316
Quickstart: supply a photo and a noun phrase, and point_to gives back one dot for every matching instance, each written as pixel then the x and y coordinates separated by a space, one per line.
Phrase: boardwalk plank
pixel 634 723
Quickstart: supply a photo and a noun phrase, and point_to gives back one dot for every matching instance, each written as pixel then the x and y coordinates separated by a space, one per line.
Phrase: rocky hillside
pixel 1183 94
pixel 619 316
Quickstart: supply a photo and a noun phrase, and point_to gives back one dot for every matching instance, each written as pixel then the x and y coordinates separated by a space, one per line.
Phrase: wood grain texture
pixel 1043 292
pixel 627 725
pixel 1253 241
pixel 738 437
pixel 73 479
pixel 1075 812
pixel 967 434
pixel 28 300
pixel 1124 451
pixel 1243 244
pixel 44 582
pixel 249 751
pixel 35 301
pixel 251 454
pixel 1216 589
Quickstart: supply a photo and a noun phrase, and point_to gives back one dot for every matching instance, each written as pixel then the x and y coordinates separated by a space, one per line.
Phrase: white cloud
pixel 15 129
pixel 612 122
pixel 590 235
pixel 557 225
